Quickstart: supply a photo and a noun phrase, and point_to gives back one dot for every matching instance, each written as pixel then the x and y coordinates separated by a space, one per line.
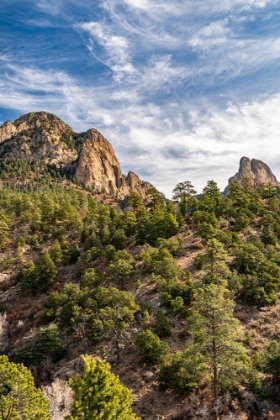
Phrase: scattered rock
pixel 148 375
pixel 155 304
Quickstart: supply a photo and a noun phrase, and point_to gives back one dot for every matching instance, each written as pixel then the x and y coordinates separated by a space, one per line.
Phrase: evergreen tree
pixel 116 310
pixel 39 276
pixel 185 372
pixel 4 232
pixel 121 271
pixel 135 201
pixel 184 192
pixel 151 348
pixel 272 361
pixel 99 394
pixel 19 399
pixel 211 198
pixel 217 338
pixel 56 253
pixel 156 199
pixel 161 326
pixel 46 345
pixel 216 257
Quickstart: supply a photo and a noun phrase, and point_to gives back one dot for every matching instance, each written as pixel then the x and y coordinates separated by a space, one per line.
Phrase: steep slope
pixel 71 267
pixel 255 171
pixel 40 136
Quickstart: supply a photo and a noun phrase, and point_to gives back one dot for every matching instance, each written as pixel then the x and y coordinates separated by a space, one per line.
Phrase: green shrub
pixel 38 276
pixel 119 239
pixel 254 384
pixel 174 245
pixel 260 289
pixel 8 263
pixel 151 348
pixel 109 252
pixel 271 361
pixel 161 262
pixel 93 254
pixel 242 221
pixel 46 344
pixel 199 261
pixel 74 254
pixel 91 278
pixel 161 326
pixel 96 313
pixel 171 290
pixel 185 372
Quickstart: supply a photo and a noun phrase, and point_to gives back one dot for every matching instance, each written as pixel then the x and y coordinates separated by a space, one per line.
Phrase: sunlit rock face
pixel 253 171
pixel 88 156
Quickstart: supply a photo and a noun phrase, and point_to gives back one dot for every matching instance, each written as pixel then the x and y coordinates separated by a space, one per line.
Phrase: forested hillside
pixel 179 296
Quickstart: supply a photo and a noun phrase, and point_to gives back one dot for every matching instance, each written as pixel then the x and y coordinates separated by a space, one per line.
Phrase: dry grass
pixel 263 327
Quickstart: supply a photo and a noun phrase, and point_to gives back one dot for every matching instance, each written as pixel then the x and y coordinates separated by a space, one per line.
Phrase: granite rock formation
pixel 88 156
pixel 256 171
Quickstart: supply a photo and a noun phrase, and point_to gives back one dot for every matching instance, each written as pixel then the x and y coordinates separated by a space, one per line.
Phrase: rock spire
pixel 256 171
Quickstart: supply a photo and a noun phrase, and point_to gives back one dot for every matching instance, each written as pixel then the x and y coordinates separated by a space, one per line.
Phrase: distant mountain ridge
pixel 256 171
pixel 88 156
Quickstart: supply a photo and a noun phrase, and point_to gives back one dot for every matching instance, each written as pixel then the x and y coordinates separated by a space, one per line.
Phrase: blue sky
pixel 182 89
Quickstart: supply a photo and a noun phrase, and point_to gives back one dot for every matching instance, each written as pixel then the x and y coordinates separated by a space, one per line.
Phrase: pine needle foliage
pixel 99 394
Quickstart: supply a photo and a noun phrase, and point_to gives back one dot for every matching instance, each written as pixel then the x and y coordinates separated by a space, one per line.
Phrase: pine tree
pixel 39 276
pixel 56 253
pixel 46 271
pixel 121 271
pixel 156 199
pixel 216 257
pixel 161 326
pixel 151 348
pixel 135 201
pixel 19 399
pixel 185 193
pixel 211 198
pixel 217 338
pixel 99 394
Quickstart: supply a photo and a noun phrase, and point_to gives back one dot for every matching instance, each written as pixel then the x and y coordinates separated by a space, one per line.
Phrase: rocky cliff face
pixel 254 170
pixel 88 156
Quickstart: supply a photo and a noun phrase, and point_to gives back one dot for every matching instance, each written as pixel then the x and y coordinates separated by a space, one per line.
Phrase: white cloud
pixel 164 144
pixel 115 46
pixel 151 7
pixel 228 57
pixel 177 6
pixel 222 53
pixel 139 4
pixel 51 7
pixel 161 70
pixel 210 149
pixel 211 35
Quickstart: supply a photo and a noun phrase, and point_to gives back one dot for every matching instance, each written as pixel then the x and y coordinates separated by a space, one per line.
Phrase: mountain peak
pixel 42 120
pixel 41 136
pixel 256 171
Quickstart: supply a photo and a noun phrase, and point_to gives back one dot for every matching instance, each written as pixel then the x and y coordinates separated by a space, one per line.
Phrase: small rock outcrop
pixel 256 171
pixel 40 136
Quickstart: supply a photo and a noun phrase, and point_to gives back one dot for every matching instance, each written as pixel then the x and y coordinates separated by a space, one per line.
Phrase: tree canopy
pixel 19 399
pixel 99 394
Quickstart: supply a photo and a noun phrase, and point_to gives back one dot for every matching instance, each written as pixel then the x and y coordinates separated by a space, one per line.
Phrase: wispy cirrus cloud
pixel 217 49
pixel 115 48
pixel 212 35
